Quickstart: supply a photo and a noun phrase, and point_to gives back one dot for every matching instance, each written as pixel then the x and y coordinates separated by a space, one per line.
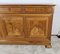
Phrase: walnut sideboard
pixel 27 24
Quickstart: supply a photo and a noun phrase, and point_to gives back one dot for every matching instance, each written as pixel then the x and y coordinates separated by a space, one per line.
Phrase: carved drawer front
pixel 4 9
pixel 37 26
pixel 14 26
pixel 16 10
pixel 38 9
pixel 11 9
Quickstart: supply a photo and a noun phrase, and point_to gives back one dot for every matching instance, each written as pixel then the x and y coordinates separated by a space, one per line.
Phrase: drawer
pixel 4 10
pixel 10 10
pixel 38 9
pixel 16 10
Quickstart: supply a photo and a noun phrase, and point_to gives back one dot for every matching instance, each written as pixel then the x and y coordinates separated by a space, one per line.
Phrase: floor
pixel 32 49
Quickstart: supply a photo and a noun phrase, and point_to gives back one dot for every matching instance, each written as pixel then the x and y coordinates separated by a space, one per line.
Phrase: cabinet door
pixel 14 26
pixel 37 25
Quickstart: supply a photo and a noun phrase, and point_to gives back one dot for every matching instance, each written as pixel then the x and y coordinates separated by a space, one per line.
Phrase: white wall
pixel 56 19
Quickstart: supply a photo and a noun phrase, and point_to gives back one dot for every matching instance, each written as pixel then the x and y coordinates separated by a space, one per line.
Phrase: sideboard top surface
pixel 27 4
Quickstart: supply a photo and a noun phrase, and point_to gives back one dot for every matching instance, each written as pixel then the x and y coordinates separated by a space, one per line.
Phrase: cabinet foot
pixel 48 46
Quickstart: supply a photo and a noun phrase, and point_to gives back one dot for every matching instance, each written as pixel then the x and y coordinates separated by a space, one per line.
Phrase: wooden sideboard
pixel 26 24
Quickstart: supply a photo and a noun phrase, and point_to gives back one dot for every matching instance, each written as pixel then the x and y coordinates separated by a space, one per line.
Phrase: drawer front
pixel 13 26
pixel 11 10
pixel 16 10
pixel 26 9
pixel 37 26
pixel 4 10
pixel 38 9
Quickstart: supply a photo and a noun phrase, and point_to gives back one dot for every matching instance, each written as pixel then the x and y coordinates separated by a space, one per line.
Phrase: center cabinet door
pixel 13 26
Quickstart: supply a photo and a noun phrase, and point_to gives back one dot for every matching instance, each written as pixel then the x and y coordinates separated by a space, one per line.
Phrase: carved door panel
pixel 37 26
pixel 13 26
